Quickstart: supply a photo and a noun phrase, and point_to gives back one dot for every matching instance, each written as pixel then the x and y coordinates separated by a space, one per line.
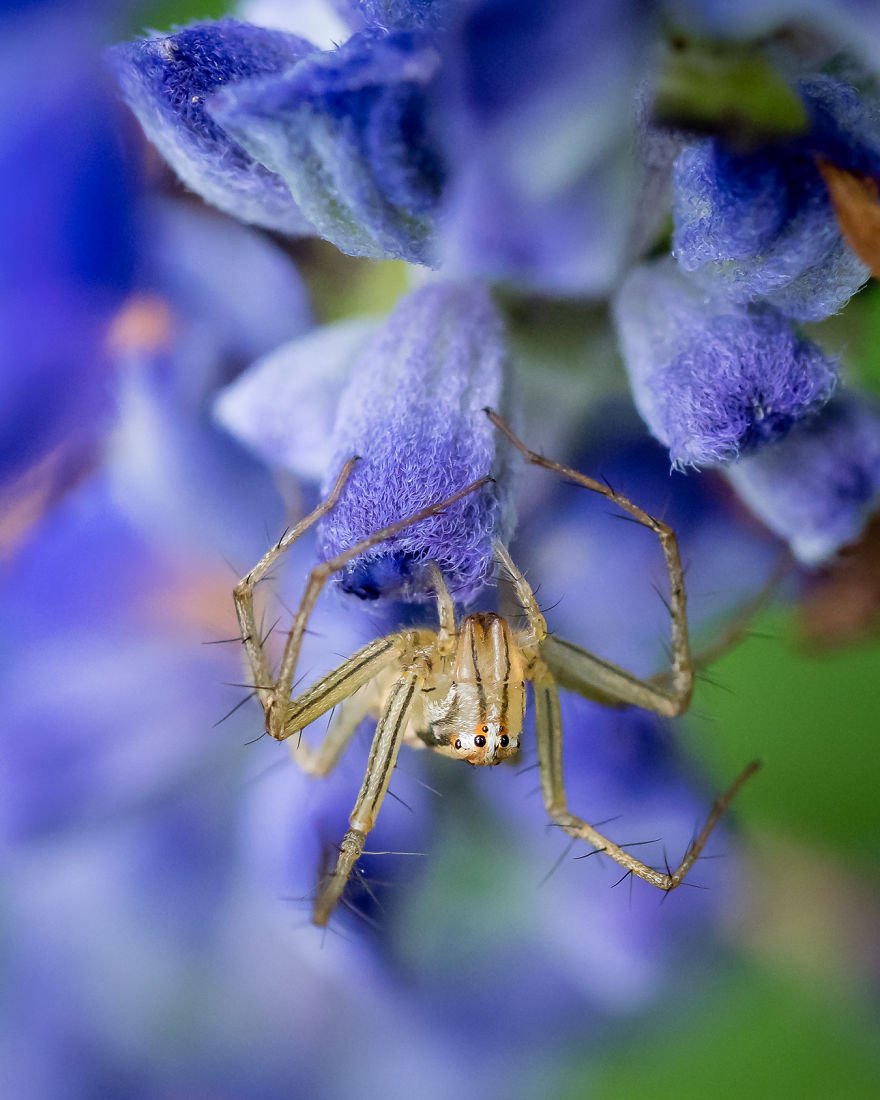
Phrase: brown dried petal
pixel 855 200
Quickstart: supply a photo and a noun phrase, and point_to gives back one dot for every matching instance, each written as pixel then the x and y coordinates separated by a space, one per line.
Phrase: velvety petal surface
pixel 712 379
pixel 413 411
pixel 167 80
pixel 348 131
pixel 760 225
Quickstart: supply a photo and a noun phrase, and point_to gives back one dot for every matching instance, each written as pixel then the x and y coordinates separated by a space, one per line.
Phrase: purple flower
pixel 348 132
pixel 713 379
pixel 413 411
pixel 538 116
pixel 817 487
pixel 760 225
pixel 167 81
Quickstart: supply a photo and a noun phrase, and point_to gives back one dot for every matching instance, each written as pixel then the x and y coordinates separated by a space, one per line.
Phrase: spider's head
pixel 487 743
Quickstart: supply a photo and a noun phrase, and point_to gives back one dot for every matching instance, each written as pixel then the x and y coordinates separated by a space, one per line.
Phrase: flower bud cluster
pixel 719 369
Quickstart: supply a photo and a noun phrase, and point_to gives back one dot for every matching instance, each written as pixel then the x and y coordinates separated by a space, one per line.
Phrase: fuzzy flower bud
pixel 713 380
pixel 760 224
pixel 413 411
pixel 167 80
pixel 347 130
pixel 818 487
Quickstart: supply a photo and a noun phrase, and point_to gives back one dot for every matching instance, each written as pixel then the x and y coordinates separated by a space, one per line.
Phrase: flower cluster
pixel 173 399
pixel 418 138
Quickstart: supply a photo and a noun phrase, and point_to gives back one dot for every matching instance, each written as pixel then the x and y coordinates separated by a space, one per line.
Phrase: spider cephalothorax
pixel 461 689
pixel 476 703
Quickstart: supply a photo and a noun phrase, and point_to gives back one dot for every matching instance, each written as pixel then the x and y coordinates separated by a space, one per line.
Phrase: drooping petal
pixel 712 379
pixel 348 132
pixel 413 411
pixel 283 408
pixel 167 79
pixel 817 487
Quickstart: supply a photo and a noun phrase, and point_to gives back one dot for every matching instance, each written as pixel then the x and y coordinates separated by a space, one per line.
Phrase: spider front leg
pixel 548 733
pixel 271 692
pixel 377 778
pixel 592 676
pixel 274 694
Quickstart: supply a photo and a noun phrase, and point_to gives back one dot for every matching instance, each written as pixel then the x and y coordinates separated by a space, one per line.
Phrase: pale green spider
pixel 460 689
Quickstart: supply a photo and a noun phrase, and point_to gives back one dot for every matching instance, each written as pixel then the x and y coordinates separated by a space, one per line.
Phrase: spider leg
pixel 243 594
pixel 445 643
pixel 537 624
pixel 740 624
pixel 348 714
pixel 600 678
pixel 344 680
pixel 380 766
pixel 548 732
pixel 274 695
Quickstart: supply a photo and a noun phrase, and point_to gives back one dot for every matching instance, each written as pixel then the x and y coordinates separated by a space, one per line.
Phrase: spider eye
pixel 479 740
pixel 504 741
pixel 485 729
pixel 458 743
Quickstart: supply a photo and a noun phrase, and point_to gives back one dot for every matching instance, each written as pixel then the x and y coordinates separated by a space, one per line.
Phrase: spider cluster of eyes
pixel 490 744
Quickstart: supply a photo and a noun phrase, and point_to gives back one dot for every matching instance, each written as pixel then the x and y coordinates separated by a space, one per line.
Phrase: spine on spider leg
pixel 412 410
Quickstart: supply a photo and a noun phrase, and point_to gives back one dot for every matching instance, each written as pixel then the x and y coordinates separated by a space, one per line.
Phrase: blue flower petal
pixel 413 411
pixel 761 225
pixel 167 80
pixel 712 379
pixel 844 124
pixel 820 485
pixel 348 132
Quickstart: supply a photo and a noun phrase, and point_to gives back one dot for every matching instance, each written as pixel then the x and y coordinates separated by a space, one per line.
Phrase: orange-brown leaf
pixel 855 200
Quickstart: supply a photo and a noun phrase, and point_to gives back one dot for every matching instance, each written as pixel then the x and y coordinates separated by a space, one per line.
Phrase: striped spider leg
pixel 395 667
pixel 550 661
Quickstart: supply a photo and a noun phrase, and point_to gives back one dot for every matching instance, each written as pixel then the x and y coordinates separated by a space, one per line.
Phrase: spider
pixel 461 689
